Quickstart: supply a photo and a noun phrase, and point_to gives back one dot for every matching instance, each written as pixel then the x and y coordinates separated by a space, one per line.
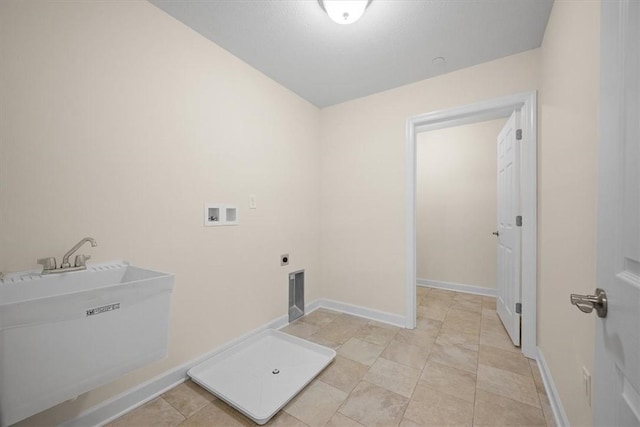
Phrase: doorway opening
pixel 525 104
pixel 456 210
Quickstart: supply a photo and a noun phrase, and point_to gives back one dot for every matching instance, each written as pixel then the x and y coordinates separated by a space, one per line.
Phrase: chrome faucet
pixel 65 258
pixel 49 264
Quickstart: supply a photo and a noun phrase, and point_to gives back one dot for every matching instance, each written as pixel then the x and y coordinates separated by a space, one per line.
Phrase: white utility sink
pixel 64 334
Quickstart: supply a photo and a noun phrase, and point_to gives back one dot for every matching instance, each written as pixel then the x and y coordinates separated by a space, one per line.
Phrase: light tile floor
pixel 458 367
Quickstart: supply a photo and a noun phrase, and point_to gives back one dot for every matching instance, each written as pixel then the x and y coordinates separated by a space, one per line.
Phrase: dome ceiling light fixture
pixel 344 11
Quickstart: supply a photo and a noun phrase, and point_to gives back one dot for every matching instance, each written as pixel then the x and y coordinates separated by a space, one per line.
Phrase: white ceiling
pixel 296 44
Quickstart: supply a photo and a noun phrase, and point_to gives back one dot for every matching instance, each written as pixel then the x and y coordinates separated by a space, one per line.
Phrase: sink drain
pixel 275 371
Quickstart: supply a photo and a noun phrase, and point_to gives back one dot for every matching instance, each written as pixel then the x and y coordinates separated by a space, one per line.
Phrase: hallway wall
pixel 568 150
pixel 362 168
pixel 456 197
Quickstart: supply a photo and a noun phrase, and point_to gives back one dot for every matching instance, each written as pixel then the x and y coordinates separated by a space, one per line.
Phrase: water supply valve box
pixel 217 214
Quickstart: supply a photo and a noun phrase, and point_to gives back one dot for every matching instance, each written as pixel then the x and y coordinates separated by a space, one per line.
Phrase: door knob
pixel 586 303
pixel 496 233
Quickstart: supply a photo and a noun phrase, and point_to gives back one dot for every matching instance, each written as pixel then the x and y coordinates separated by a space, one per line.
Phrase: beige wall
pixel 362 168
pixel 567 195
pixel 456 202
pixel 119 122
pixel 362 239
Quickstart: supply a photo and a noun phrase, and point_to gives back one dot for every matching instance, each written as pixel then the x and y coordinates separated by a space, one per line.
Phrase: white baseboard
pixel 117 406
pixel 552 392
pixel 458 287
pixel 368 313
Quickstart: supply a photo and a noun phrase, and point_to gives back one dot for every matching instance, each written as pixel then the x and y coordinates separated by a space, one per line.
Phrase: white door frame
pixel 526 102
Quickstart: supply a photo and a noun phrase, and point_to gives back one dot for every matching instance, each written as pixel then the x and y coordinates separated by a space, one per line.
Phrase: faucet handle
pixel 81 260
pixel 48 263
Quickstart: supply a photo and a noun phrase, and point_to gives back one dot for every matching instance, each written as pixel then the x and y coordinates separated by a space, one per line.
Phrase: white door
pixel 617 343
pixel 508 271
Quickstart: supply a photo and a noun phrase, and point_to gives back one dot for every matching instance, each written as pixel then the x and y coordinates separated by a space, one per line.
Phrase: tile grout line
pixel 448 309
pixel 378 357
pixel 426 360
pixel 361 380
pixel 356 386
pixel 477 368
pixel 514 400
pixel 544 415
pixel 475 396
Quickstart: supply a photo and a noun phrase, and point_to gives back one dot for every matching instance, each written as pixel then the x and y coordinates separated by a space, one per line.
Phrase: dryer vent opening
pixel 296 295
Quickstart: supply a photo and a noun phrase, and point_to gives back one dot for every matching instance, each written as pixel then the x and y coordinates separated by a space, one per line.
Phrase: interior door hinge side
pixel 519 134
pixel 519 307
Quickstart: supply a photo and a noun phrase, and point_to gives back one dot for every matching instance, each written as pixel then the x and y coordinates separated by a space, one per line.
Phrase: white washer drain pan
pixel 260 375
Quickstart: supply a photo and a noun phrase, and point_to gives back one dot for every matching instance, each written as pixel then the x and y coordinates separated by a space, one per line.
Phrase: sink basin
pixel 64 334
pixel 26 286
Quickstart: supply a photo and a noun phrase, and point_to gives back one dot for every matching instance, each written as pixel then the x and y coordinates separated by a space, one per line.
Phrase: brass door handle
pixel 586 303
